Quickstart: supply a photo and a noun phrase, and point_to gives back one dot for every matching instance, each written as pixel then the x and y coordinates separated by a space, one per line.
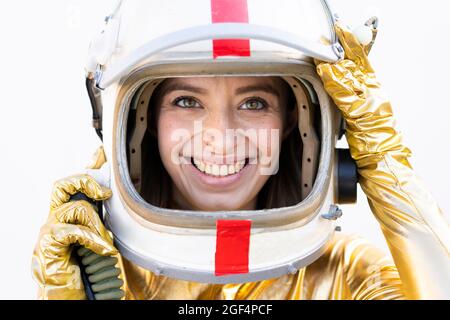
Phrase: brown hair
pixel 281 190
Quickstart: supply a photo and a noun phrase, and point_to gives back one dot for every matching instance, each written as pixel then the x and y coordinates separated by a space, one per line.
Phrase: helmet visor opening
pixel 298 153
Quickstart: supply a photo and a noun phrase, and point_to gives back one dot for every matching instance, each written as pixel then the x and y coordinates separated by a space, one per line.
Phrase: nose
pixel 219 130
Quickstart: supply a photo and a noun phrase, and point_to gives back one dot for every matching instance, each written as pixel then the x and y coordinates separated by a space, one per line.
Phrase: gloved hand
pixel 70 223
pixel 417 233
pixel 353 86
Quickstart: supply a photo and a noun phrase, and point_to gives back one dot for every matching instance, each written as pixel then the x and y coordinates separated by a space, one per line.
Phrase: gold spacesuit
pixel 415 230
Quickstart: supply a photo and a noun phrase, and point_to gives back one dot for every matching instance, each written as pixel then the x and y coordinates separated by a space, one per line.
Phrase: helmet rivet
pixel 333 213
pixel 292 269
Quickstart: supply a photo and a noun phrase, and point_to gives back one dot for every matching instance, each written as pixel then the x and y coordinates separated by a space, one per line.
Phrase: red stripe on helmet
pixel 232 246
pixel 230 11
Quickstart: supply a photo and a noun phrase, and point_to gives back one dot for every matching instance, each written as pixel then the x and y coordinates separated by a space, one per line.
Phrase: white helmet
pixel 145 42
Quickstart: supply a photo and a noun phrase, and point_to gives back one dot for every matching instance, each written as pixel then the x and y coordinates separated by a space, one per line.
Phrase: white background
pixel 45 122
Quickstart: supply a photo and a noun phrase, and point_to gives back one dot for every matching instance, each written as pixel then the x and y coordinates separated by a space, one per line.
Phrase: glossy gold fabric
pixel 350 269
pixel 412 223
pixel 415 229
pixel 53 265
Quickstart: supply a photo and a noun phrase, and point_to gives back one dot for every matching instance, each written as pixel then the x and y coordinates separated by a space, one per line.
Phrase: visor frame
pixel 304 211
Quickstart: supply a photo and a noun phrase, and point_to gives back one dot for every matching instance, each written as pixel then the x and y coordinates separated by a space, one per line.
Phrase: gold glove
pixel 54 267
pixel 415 229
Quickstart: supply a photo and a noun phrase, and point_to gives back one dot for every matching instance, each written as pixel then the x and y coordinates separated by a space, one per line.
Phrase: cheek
pixel 268 130
pixel 270 140
pixel 167 128
pixel 173 131
pixel 271 123
pixel 270 119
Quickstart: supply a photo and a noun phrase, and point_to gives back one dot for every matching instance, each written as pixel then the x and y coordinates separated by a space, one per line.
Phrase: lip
pixel 214 181
pixel 216 159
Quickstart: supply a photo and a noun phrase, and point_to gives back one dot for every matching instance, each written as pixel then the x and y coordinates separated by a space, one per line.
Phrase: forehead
pixel 226 80
pixel 238 85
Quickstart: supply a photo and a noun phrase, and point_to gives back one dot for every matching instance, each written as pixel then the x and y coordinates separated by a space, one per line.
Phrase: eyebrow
pixel 183 87
pixel 242 90
pixel 259 87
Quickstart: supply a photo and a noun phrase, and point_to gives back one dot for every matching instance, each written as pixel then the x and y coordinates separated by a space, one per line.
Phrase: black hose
pixel 100 275
pixel 93 94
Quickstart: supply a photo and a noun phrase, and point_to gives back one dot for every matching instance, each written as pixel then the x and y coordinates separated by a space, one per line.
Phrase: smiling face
pixel 219 138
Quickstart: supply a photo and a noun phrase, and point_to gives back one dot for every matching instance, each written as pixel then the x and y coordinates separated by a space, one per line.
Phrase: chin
pixel 219 205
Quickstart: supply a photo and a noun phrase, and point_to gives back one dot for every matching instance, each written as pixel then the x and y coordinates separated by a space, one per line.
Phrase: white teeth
pixel 238 166
pixel 223 170
pixel 219 170
pixel 215 170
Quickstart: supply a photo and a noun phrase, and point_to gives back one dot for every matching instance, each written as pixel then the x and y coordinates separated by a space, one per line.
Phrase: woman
pixel 414 228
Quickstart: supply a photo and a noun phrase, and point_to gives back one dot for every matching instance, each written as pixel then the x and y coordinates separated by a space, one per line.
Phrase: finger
pixel 64 188
pixel 81 213
pixel 339 80
pixel 98 159
pixel 347 73
pixel 65 235
pixel 353 49
pixel 342 86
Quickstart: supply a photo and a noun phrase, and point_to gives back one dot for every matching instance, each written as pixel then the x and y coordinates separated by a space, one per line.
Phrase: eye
pixel 254 104
pixel 186 102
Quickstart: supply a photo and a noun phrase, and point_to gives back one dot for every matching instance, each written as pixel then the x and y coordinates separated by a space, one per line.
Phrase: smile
pixel 219 170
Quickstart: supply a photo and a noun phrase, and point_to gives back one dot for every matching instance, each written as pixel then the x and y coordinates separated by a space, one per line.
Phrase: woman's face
pixel 219 138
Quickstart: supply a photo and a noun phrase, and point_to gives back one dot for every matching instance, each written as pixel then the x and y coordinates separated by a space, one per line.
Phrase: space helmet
pixel 146 42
